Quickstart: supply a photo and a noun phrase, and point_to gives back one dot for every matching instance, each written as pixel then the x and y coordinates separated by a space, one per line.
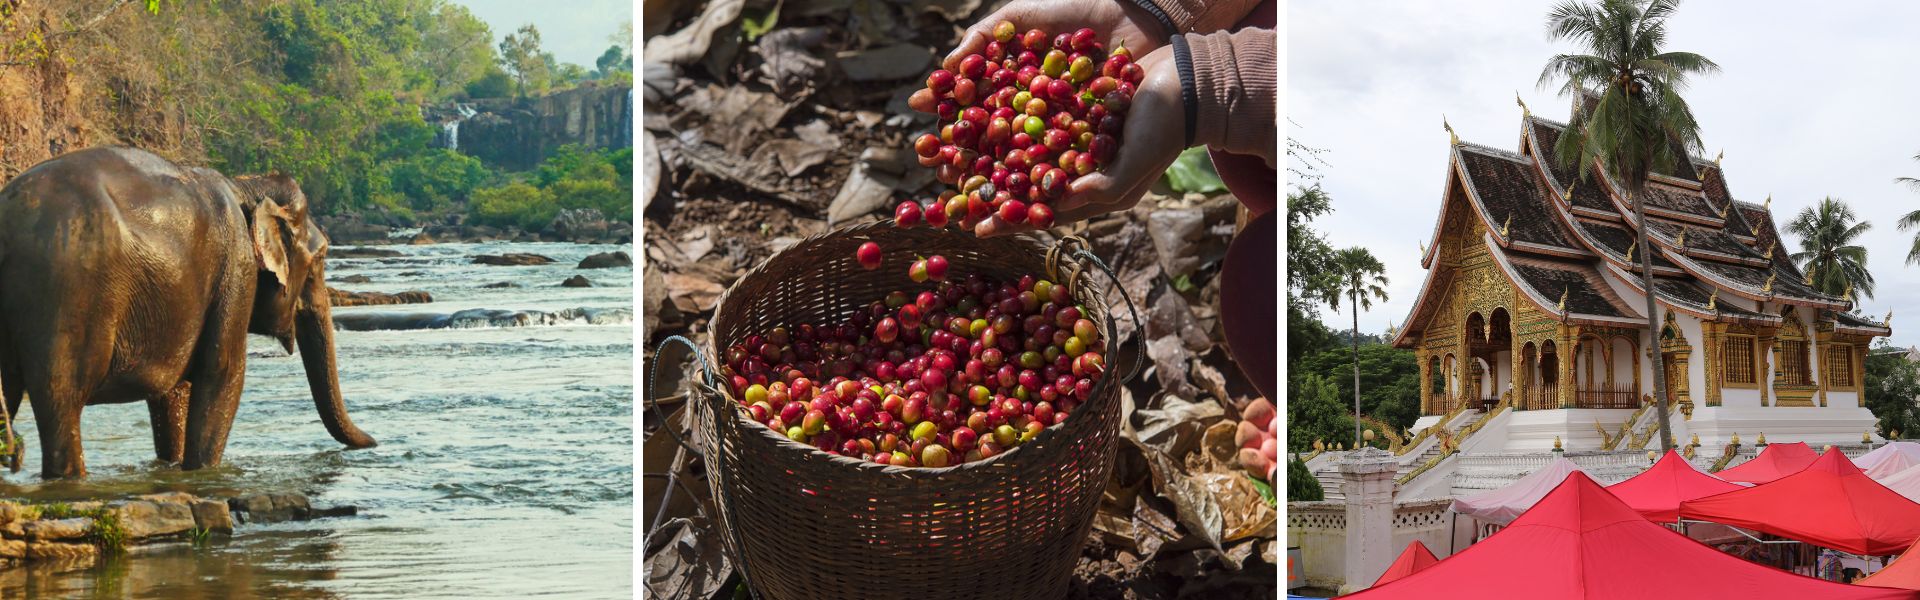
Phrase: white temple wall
pixel 1696 360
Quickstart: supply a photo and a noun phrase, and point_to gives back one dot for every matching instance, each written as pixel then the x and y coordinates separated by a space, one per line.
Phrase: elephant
pixel 125 277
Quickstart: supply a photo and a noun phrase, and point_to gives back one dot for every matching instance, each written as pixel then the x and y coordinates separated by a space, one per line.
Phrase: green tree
pixel 1314 413
pixel 1830 253
pixel 1893 387
pixel 1362 280
pixel 456 49
pixel 495 83
pixel 514 205
pixel 436 179
pixel 1389 379
pixel 1911 219
pixel 615 59
pixel 1301 485
pixel 1309 257
pixel 1638 124
pixel 520 54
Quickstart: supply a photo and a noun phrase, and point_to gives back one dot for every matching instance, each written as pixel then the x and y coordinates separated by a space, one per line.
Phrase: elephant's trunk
pixel 313 327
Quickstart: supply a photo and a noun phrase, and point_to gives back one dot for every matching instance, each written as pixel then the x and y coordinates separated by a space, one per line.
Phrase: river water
pixel 505 464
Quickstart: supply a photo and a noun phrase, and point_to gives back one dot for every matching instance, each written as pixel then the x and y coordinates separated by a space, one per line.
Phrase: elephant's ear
pixel 269 243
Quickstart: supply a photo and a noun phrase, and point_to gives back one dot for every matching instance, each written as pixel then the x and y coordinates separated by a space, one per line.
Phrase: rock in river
pixel 511 259
pixel 577 281
pixel 340 297
pixel 607 260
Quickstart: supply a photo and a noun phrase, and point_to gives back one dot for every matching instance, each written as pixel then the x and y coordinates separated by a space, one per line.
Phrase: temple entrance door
pixel 1674 373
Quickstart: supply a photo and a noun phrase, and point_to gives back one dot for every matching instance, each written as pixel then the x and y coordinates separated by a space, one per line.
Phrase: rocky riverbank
pixel 86 531
pixel 580 226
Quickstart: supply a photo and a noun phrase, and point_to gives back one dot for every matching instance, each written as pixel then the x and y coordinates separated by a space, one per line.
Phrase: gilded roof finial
pixel 1682 238
pixel 1423 248
pixel 1848 295
pixel 1770 248
pixel 1808 279
pixel 1523 104
pixel 1635 244
pixel 1887 322
pixel 1507 227
pixel 1768 288
pixel 1768 205
pixel 1716 159
pixel 1713 302
pixel 1449 127
pixel 1563 299
pixel 1576 181
pixel 1723 210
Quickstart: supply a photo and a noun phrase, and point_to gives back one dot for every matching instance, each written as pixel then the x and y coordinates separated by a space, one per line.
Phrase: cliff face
pixel 518 137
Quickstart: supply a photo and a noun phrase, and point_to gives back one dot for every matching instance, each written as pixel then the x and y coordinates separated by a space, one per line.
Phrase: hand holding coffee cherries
pixel 1019 123
pixel 1121 23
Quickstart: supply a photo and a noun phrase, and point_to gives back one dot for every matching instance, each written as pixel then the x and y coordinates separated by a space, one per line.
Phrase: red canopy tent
pixel 1774 462
pixel 1903 573
pixel 1412 560
pixel 1581 542
pixel 1658 492
pixel 1832 504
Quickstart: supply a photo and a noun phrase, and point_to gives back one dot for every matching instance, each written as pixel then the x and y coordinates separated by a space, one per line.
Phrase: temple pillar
pixel 1568 343
pixel 1426 380
pixel 1366 477
pixel 1710 348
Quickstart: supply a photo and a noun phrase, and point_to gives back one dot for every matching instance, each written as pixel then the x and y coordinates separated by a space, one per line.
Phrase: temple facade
pixel 1533 302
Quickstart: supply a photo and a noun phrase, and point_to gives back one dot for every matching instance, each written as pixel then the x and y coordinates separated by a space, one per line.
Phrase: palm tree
pixel 1362 280
pixel 1913 218
pixel 1638 124
pixel 1829 252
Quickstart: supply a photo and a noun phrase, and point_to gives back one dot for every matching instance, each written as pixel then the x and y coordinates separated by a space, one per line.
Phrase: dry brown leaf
pixel 690 43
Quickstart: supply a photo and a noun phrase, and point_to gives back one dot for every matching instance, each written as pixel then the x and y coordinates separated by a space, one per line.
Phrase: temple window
pixel 1793 363
pixel 1738 366
pixel 1839 367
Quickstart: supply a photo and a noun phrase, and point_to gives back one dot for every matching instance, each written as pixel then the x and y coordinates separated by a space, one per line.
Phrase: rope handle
pixel 708 387
pixel 1076 247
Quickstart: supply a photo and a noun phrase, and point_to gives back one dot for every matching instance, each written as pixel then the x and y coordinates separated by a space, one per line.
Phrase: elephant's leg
pixel 56 414
pixel 168 412
pixel 218 373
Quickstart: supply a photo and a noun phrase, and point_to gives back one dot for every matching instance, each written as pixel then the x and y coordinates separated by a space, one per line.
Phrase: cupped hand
pixel 1153 136
pixel 1119 20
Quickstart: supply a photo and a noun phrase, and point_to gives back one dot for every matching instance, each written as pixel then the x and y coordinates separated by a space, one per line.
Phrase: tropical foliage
pixel 1301 486
pixel 1911 219
pixel 1633 119
pixel 1830 251
pixel 1893 382
pixel 331 92
pixel 1636 121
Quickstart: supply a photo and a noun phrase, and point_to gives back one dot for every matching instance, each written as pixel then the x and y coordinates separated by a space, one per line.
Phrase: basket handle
pixel 1078 248
pixel 709 386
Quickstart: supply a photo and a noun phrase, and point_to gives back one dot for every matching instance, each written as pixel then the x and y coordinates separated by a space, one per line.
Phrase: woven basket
pixel 807 524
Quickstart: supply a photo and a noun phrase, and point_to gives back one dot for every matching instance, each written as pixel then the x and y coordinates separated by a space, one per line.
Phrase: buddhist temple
pixel 1533 302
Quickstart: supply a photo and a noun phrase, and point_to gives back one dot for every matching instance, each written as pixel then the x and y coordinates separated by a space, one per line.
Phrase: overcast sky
pixel 575 31
pixel 1812 100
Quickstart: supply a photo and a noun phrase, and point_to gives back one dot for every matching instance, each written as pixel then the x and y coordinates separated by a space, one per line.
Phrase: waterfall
pixel 450 130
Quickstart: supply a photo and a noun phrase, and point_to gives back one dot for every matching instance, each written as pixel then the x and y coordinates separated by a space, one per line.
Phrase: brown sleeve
pixel 1235 80
pixel 1206 16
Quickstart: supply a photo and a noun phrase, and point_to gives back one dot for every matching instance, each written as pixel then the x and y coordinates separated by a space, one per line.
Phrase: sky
pixel 575 31
pixel 1811 101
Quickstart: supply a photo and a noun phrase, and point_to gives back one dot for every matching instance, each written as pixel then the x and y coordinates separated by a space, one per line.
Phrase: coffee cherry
pixel 869 255
pixel 1004 31
pixel 907 214
pixel 940 81
pixel 1040 216
pixel 936 267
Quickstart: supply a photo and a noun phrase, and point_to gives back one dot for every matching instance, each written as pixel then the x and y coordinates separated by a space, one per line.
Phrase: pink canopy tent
pixel 1831 504
pixel 1774 462
pixel 1885 461
pixel 1414 559
pixel 1503 505
pixel 1582 543
pixel 1906 483
pixel 1658 492
pixel 1903 573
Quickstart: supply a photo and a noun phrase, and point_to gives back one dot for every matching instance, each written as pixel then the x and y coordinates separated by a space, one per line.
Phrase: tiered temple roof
pixel 1554 235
